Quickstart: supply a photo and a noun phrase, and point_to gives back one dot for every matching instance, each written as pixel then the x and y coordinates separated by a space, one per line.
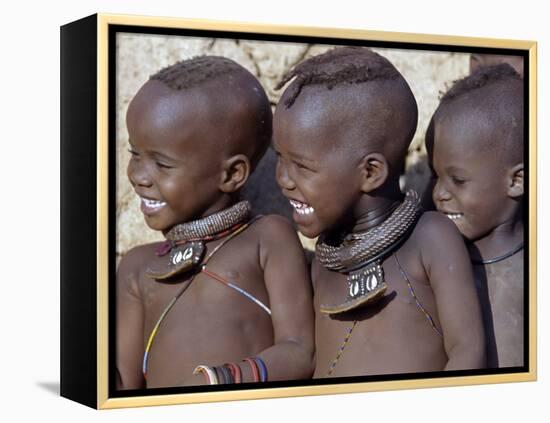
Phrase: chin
pixel 308 232
pixel 155 225
pixel 468 236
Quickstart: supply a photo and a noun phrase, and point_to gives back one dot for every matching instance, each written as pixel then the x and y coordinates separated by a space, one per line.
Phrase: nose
pixel 138 174
pixel 283 178
pixel 440 192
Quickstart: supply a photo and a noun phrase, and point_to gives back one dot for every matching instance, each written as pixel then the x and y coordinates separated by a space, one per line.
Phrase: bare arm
pixel 288 284
pixel 447 263
pixel 129 324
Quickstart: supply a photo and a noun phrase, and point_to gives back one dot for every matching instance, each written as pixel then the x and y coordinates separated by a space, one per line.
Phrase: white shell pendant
pixel 365 286
pixel 372 282
pixel 363 281
pixel 182 258
pixel 182 255
pixel 354 288
pixel 186 256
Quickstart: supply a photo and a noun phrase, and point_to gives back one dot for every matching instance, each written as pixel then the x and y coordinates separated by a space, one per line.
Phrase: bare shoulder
pixel 434 228
pixel 278 243
pixel 439 241
pixel 135 261
pixel 273 228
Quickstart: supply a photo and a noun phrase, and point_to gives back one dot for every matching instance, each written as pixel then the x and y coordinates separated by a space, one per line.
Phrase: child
pixel 393 288
pixel 476 150
pixel 225 299
pixel 478 60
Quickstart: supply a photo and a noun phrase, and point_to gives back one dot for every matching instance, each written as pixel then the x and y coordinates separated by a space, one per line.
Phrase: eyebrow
pixel 157 154
pixel 451 169
pixel 301 158
pixel 294 156
pixel 162 156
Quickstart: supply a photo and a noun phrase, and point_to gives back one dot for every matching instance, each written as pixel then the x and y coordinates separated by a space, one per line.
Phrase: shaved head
pixel 490 103
pixel 359 96
pixel 222 95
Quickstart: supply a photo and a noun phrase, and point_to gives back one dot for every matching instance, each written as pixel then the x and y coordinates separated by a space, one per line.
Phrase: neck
pixel 224 202
pixel 502 239
pixel 372 210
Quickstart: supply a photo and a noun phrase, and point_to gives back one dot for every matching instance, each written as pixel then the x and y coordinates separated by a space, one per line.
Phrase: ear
pixel 515 181
pixel 374 171
pixel 236 170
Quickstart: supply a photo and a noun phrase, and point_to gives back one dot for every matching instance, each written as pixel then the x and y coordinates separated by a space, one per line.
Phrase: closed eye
pixel 163 166
pixel 457 180
pixel 303 167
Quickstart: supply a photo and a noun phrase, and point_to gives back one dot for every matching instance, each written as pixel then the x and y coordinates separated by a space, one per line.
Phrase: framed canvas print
pixel 253 211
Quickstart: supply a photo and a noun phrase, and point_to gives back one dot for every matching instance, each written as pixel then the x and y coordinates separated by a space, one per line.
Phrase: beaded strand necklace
pixel 154 332
pixel 500 258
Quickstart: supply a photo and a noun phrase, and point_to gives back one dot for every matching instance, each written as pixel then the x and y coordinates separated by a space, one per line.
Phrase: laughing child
pixel 225 299
pixel 393 288
pixel 476 151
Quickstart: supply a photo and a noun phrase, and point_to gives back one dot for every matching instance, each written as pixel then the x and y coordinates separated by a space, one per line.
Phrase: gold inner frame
pixel 103 22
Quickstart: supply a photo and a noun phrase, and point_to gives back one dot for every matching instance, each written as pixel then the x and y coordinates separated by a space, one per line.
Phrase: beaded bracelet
pixel 209 374
pixel 235 371
pixel 254 368
pixel 226 375
pixel 220 375
pixel 262 367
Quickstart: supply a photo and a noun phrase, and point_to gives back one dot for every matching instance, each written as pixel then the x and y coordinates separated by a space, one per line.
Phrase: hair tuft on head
pixel 351 65
pixel 192 72
pixel 482 77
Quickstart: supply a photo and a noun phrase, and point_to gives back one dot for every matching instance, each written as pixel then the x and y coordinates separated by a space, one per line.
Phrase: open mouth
pixel 151 205
pixel 453 216
pixel 301 208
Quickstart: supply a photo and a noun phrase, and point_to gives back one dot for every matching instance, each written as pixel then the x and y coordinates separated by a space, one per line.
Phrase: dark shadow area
pixel 480 278
pixel 419 177
pixel 51 387
pixel 262 190
pixel 364 313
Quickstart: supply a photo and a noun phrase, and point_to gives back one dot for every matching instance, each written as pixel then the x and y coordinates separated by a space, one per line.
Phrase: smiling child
pixel 393 288
pixel 225 299
pixel 476 151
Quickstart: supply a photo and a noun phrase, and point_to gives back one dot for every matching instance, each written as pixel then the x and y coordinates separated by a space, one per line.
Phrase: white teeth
pixel 153 204
pixel 307 210
pixel 454 216
pixel 301 208
pixel 296 204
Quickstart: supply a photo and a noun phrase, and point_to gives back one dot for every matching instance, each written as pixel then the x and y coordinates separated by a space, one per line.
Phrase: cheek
pixel 479 215
pixel 173 189
pixel 468 203
pixel 131 170
pixel 479 198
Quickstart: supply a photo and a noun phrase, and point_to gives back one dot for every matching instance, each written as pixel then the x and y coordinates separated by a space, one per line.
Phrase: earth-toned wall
pixel 139 56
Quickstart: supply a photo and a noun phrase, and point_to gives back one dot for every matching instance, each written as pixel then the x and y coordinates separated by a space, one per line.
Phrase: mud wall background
pixel 139 56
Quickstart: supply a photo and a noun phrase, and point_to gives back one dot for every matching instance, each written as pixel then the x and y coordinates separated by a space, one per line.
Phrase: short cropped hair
pixel 384 95
pixel 196 71
pixel 494 93
pixel 192 72
pixel 482 77
pixel 344 65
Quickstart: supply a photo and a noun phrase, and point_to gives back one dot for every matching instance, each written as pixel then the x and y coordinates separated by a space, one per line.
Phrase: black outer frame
pixel 79 211
pixel 79 201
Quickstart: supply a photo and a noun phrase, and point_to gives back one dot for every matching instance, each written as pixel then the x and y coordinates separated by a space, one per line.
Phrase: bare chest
pixel 395 334
pixel 206 319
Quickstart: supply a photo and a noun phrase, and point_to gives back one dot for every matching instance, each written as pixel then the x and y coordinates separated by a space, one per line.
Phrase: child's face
pixel 315 174
pixel 471 186
pixel 172 169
